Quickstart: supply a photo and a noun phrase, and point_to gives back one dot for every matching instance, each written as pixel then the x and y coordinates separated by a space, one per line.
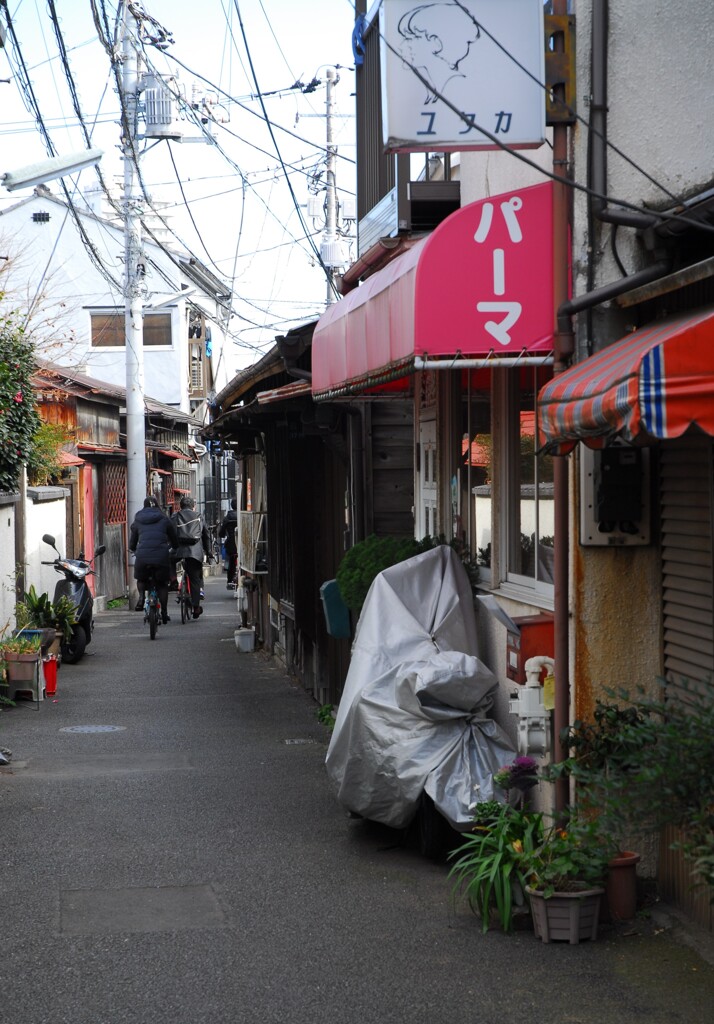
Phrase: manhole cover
pixel 93 728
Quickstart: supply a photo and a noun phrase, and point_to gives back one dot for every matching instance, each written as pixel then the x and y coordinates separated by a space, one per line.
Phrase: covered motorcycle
pixel 414 717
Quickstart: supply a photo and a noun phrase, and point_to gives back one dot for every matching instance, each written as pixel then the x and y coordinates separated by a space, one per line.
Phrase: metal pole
pixel 561 553
pixel 134 269
pixel 486 363
pixel 330 235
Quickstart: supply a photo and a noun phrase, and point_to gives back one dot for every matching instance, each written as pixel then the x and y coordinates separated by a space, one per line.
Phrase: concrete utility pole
pixel 331 249
pixel 331 196
pixel 134 288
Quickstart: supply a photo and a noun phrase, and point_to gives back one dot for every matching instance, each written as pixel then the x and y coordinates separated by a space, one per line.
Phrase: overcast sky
pixel 244 226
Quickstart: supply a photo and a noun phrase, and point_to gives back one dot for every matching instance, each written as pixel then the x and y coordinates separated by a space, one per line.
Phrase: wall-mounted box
pixel 614 496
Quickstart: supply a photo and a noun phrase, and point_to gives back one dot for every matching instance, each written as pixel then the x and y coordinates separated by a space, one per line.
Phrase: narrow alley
pixel 172 852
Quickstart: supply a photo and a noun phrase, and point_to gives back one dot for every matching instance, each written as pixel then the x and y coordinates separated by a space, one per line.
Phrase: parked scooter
pixel 74 586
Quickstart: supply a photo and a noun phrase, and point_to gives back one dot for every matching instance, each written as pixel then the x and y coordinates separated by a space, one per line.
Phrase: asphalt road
pixel 171 852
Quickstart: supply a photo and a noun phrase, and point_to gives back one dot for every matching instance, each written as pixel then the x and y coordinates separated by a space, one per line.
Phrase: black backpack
pixel 190 531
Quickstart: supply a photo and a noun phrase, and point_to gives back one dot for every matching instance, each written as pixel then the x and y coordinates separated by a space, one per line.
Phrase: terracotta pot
pixel 565 916
pixel 621 886
pixel 20 667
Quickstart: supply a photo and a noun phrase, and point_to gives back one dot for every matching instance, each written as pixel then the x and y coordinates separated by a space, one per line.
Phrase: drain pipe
pixel 564 342
pixel 598 128
pixel 563 346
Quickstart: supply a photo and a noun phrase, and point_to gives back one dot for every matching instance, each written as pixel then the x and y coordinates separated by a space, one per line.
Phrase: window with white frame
pixel 108 329
pixel 528 508
pixel 472 507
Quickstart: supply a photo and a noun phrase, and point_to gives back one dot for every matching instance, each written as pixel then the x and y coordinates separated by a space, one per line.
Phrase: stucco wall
pixel 7 561
pixel 46 512
pixel 660 111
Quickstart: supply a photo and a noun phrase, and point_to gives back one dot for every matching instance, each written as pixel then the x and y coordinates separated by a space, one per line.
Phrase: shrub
pixel 18 417
pixel 367 559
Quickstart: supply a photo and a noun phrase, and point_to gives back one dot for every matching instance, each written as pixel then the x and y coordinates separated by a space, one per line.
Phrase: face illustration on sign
pixel 462 74
pixel 435 39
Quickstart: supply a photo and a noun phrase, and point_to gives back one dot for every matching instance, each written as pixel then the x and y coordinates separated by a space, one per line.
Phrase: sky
pixel 233 208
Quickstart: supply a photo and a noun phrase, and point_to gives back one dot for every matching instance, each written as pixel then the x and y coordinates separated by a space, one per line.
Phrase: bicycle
pixel 152 606
pixel 184 596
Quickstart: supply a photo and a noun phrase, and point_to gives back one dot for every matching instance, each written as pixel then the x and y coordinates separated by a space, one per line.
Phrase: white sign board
pixel 455 72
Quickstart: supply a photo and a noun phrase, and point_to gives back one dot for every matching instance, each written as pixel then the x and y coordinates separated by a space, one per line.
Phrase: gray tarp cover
pixel 414 714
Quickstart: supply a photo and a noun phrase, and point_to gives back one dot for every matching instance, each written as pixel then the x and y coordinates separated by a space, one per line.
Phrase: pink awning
pixel 481 284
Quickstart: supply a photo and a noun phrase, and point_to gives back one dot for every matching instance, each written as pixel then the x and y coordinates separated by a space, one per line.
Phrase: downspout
pixel 563 349
pixel 564 342
pixel 599 208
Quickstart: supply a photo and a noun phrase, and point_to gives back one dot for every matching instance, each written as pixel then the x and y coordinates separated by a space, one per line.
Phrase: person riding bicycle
pixel 227 534
pixel 152 535
pixel 194 542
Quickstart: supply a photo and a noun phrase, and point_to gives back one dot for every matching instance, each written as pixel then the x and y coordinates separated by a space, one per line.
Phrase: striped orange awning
pixel 652 384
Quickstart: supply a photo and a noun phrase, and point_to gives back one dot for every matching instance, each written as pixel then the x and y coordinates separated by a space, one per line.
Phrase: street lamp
pixel 46 170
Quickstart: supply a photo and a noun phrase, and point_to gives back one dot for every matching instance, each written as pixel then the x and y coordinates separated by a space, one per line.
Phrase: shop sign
pixel 462 74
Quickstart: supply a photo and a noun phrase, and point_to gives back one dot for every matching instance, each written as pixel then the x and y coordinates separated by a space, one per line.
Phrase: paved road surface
pixel 171 852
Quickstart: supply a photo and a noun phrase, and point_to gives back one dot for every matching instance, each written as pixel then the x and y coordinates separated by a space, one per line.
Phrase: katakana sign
pixel 462 74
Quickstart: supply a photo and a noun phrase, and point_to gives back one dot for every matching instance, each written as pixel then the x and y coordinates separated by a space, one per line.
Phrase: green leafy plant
pixel 326 717
pixel 569 857
pixel 20 644
pixel 490 865
pixel 369 557
pixel 647 762
pixel 18 415
pixel 45 460
pixel 37 611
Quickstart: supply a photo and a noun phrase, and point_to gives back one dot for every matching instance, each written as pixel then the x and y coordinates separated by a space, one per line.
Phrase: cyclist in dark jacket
pixel 227 533
pixel 194 541
pixel 152 534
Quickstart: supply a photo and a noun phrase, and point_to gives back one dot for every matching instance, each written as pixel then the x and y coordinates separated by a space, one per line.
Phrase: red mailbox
pixel 534 637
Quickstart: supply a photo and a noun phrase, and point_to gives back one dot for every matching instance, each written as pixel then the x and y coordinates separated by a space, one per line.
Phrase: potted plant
pixel 512 853
pixel 565 875
pixel 605 759
pixel 488 865
pixel 38 612
pixel 644 764
pixel 20 655
pixel 488 868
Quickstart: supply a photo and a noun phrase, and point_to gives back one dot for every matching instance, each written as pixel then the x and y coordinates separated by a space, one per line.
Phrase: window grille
pixel 115 492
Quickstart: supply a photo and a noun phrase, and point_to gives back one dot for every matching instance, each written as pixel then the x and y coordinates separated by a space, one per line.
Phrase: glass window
pixel 108 329
pixel 529 503
pixel 471 505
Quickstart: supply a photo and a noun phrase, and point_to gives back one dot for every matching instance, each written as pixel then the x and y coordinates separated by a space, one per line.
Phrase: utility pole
pixel 134 270
pixel 331 250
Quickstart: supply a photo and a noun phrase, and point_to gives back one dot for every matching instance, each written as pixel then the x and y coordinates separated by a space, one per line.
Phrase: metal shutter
pixel 686 506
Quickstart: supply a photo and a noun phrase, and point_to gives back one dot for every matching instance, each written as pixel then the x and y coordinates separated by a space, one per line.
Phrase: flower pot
pixel 621 886
pixel 46 634
pixel 244 640
pixel 565 916
pixel 20 667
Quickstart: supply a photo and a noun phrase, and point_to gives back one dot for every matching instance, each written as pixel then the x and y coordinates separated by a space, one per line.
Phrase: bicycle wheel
pixel 185 601
pixel 153 621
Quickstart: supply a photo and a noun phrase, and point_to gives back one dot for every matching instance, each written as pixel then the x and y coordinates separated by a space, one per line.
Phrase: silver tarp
pixel 414 714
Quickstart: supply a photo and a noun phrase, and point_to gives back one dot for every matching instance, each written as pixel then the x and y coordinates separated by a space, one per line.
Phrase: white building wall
pixel 54 272
pixel 46 512
pixel 7 563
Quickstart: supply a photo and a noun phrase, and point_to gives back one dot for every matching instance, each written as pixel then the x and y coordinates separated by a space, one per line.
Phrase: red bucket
pixel 50 669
